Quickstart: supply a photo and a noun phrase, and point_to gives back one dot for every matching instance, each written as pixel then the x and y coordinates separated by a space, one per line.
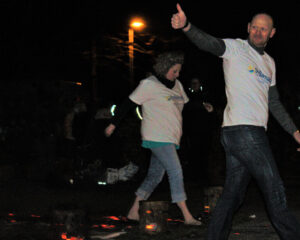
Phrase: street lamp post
pixel 136 24
pixel 130 49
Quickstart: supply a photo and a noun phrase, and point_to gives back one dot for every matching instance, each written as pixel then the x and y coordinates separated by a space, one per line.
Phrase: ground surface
pixel 27 208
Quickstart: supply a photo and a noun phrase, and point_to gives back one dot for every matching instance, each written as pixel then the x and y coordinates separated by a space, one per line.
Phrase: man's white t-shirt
pixel 248 76
pixel 162 108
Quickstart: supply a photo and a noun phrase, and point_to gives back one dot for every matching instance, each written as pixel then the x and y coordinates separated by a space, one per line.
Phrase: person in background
pixel 162 98
pixel 251 92
pixel 198 124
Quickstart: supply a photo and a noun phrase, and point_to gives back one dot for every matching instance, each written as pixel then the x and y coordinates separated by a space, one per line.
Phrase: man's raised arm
pixel 201 39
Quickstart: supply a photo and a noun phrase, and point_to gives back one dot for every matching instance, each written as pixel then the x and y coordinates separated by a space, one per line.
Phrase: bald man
pixel 251 92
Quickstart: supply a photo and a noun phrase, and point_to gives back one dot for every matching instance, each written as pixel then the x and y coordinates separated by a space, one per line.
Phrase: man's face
pixel 261 30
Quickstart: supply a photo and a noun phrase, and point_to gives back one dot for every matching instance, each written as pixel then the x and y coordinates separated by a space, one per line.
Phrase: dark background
pixel 56 37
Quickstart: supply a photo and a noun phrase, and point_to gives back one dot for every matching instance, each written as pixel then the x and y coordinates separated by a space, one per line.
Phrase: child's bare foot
pixel 193 222
pixel 133 216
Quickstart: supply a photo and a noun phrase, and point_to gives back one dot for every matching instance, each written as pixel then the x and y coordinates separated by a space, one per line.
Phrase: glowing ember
pixel 206 209
pixel 11 214
pixel 174 220
pixel 113 218
pixel 151 227
pixel 65 237
pixel 148 211
pixel 107 226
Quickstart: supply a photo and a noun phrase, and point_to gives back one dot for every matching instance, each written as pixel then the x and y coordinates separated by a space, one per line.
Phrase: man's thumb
pixel 179 9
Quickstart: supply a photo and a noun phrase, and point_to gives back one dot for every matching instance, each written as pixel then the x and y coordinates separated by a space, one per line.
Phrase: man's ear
pixel 273 31
pixel 248 27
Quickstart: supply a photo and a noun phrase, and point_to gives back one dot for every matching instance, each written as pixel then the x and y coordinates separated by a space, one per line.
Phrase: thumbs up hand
pixel 178 19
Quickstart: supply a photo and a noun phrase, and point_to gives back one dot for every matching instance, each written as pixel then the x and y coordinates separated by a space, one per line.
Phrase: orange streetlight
pixel 135 24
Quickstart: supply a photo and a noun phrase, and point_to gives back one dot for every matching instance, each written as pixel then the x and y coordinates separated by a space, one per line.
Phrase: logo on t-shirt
pixel 251 69
pixel 261 76
pixel 174 98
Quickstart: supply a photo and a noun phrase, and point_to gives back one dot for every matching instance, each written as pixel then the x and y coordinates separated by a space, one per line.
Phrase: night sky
pixel 54 38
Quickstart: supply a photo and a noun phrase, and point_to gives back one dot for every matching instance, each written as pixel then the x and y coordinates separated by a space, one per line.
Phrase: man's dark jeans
pixel 248 155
